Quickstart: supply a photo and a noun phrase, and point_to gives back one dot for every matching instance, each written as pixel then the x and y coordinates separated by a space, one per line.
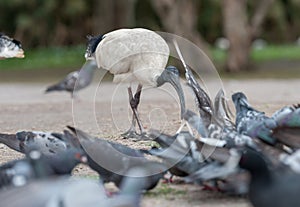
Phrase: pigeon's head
pixel 79 156
pixel 92 44
pixel 240 99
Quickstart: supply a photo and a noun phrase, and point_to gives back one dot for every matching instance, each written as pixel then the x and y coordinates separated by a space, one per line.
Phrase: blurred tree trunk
pixel 109 15
pixel 240 30
pixel 180 17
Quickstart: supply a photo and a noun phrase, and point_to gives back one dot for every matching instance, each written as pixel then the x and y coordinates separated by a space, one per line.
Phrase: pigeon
pixel 177 152
pixel 250 121
pixel 216 169
pixel 112 161
pixel 269 187
pixel 222 112
pixel 291 160
pixel 47 143
pixel 36 165
pixel 76 80
pixel 282 128
pixel 216 135
pixel 287 131
pixel 76 192
pixel 54 192
pixel 10 48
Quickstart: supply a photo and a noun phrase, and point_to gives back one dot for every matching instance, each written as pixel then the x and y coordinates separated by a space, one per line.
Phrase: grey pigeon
pixel 70 192
pixel 10 48
pixel 54 192
pixel 113 161
pixel 177 152
pixel 47 143
pixel 76 80
pixel 37 165
pixel 250 121
pixel 269 187
pixel 225 136
pixel 216 169
pixel 291 160
pixel 281 128
pixel 222 112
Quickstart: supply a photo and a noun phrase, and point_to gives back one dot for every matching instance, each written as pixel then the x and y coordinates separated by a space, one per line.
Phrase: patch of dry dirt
pixel 103 111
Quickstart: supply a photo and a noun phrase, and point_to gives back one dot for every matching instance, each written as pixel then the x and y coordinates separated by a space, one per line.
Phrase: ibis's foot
pixel 131 133
pixel 144 136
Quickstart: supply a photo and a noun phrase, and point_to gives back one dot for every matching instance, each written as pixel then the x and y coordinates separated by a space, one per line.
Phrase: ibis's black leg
pixel 134 102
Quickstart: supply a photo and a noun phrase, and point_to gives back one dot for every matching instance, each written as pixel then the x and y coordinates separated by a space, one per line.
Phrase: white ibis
pixel 135 55
pixel 10 48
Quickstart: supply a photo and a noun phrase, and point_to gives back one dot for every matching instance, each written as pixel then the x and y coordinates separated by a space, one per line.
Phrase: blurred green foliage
pixel 52 57
pixel 73 57
pixel 67 22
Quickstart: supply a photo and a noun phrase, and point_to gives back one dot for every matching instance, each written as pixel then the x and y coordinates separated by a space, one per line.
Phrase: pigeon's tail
pixel 11 141
pixel 56 87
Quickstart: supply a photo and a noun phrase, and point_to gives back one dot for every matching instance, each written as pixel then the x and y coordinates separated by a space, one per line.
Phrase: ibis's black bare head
pixel 92 44
pixel 171 75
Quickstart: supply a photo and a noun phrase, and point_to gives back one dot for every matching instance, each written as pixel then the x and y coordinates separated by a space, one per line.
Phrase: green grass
pixel 277 52
pixel 164 190
pixel 72 57
pixel 269 53
pixel 54 57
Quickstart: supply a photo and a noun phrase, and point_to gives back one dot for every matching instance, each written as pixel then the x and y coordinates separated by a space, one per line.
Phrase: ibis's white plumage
pixel 132 55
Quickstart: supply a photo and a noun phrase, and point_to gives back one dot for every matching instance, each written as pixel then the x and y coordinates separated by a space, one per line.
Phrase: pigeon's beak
pixel 20 54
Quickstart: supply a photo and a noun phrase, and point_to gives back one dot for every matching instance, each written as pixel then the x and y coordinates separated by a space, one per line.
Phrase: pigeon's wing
pixel 70 81
pixel 72 194
pixel 196 122
pixel 67 84
pixel 288 116
pixel 162 139
pixel 289 136
pixel 271 153
pixel 67 137
pixel 55 192
pixel 11 141
pixel 45 142
pixel 173 158
pixel 111 156
pixel 236 184
pixel 86 74
pixel 222 111
pixel 216 170
pixel 179 142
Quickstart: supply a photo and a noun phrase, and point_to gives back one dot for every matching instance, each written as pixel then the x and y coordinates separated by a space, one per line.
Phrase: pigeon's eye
pixel 78 155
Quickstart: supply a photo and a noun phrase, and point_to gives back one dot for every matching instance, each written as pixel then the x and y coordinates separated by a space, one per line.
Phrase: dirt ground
pixel 102 110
